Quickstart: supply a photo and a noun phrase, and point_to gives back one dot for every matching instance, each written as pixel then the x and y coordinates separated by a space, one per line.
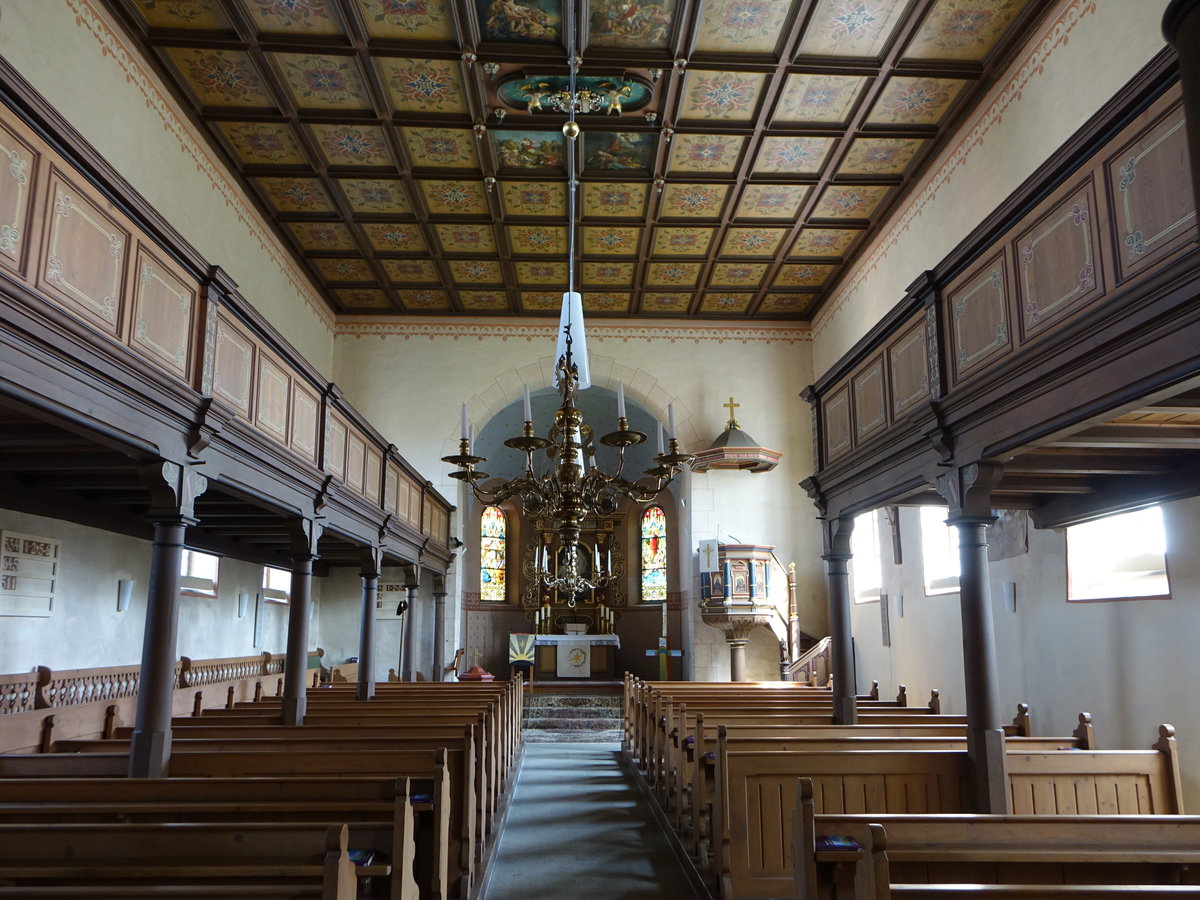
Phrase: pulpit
pixel 735 598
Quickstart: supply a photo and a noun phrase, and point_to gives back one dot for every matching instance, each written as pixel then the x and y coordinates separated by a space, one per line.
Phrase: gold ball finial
pixel 571 129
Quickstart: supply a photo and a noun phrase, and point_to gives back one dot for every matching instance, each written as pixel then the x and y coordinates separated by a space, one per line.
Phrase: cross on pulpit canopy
pixel 708 551
pixel 663 653
pixel 731 406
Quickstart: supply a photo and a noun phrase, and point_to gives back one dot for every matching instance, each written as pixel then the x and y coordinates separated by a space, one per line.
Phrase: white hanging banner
pixel 572 313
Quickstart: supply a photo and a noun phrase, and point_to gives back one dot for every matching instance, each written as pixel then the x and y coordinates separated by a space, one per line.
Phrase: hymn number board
pixel 29 574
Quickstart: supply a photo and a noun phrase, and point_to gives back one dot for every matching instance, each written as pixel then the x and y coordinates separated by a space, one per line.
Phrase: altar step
pixel 572 717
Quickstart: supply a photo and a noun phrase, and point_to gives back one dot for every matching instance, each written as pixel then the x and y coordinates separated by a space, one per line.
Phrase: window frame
pixel 927 584
pixel 279 596
pixel 858 596
pixel 198 585
pixel 1122 597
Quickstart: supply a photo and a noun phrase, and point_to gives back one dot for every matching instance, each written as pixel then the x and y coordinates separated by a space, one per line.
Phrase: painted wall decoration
pixel 421 20
pixel 376 195
pixel 352 145
pixel 263 143
pixel 706 153
pixel 858 28
pixel 682 241
pixel 537 238
pixel 636 26
pixel 615 94
pixel 423 85
pixel 742 26
pixel 398 237
pixel 520 21
pixel 618 151
pixel 818 98
pixel 465 238
pixel 963 31
pixel 529 149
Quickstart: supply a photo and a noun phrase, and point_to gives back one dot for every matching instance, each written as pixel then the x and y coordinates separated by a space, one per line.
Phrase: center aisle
pixel 579 826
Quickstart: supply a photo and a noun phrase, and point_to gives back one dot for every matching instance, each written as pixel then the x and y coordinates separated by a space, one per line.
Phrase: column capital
pixel 968 492
pixel 173 491
pixel 836 532
pixel 304 535
pixel 370 561
pixel 412 577
pixel 439 587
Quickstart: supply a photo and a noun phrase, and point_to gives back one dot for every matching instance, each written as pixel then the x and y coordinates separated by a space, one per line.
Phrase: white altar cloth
pixel 574 651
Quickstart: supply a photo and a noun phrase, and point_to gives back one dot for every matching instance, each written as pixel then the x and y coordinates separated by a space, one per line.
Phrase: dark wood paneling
pixel 1148 181
pixel 908 368
pixel 979 315
pixel 164 309
pixel 19 169
pixel 836 413
pixel 1060 261
pixel 870 399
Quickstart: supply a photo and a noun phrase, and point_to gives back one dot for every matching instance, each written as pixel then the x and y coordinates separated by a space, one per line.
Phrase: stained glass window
pixel 492 532
pixel 654 556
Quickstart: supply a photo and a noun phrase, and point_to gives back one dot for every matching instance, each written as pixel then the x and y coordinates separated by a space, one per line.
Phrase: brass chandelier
pixel 570 490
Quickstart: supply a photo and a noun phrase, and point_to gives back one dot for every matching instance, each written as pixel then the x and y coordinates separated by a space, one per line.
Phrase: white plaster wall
pixel 76 57
pixel 85 630
pixel 410 379
pixel 1084 54
pixel 1132 664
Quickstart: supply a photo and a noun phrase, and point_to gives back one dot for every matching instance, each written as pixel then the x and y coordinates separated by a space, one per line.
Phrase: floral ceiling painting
pixel 734 158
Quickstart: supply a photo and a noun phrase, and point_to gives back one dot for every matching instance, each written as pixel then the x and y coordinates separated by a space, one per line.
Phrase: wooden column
pixel 439 624
pixel 1181 27
pixel 794 631
pixel 837 558
pixel 295 677
pixel 968 491
pixel 173 490
pixel 370 564
pixel 412 581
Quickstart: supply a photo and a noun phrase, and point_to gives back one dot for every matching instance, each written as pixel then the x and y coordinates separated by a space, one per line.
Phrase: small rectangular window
pixel 866 565
pixel 1119 557
pixel 198 573
pixel 939 551
pixel 276 585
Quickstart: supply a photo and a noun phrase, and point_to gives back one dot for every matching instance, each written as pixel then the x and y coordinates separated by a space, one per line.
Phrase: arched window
pixel 492 546
pixel 654 556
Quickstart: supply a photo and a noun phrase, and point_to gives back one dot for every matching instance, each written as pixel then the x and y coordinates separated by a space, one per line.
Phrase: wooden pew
pixel 867 853
pixel 754 801
pixel 132 860
pixel 379 812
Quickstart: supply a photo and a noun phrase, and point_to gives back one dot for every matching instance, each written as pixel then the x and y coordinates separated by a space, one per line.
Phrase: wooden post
pixel 304 550
pixel 370 560
pixel 837 573
pixel 439 625
pixel 412 581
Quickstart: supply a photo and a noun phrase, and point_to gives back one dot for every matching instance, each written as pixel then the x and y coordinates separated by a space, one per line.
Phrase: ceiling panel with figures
pixel 735 156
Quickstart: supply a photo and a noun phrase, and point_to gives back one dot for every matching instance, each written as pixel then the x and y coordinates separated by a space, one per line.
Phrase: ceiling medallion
pixel 604 94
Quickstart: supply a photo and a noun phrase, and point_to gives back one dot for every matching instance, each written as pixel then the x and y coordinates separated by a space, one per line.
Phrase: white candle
pixel 671 419
pixel 597 548
pixel 463 426
pixel 471 438
pixel 528 412
pixel 660 439
pixel 620 400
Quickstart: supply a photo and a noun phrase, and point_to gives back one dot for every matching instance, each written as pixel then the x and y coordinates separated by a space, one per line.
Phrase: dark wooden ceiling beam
pixel 1133 435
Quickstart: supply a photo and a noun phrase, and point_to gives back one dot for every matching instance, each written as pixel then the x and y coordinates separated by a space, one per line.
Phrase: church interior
pixel 757 388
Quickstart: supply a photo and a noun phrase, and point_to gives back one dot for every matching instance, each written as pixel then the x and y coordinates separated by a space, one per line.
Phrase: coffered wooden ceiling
pixel 760 141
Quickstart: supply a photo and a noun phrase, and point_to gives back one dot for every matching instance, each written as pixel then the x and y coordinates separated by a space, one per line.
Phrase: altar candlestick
pixel 528 411
pixel 620 400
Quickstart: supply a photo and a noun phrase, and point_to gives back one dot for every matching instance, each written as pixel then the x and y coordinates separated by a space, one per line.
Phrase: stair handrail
pixel 807 667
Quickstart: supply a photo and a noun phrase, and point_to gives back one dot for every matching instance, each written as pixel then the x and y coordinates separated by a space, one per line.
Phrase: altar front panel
pixel 576 657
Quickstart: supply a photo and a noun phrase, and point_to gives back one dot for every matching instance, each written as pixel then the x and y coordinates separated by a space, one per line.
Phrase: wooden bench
pixel 843 856
pixel 127 859
pixel 379 811
pixel 754 800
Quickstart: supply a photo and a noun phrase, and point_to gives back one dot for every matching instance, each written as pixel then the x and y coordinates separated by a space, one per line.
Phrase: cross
pixel 731 406
pixel 708 555
pixel 663 654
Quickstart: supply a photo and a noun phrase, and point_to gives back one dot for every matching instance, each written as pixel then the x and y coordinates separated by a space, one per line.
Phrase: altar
pixel 576 655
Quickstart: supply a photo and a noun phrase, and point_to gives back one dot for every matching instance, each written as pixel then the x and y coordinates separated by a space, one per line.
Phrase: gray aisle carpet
pixel 578 827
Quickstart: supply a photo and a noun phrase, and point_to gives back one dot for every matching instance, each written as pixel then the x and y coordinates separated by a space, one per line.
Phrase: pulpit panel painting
pixel 654 556
pixel 492 534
